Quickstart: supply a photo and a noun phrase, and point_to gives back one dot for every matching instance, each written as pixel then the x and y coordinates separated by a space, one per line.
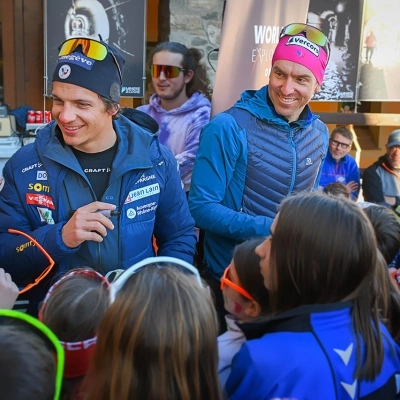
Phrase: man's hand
pixel 352 186
pixel 87 224
pixel 8 290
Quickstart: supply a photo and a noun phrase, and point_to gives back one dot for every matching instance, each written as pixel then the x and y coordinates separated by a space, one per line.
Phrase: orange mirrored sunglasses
pixel 225 281
pixel 47 255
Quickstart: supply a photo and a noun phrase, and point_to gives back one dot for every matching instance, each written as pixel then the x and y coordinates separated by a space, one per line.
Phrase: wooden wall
pixel 23 60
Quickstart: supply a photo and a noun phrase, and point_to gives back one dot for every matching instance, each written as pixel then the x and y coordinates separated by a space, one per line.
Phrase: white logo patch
pixel 308 161
pixel 304 42
pixel 64 72
pixel 143 192
pixel 41 176
pixel 131 213
pixel 45 215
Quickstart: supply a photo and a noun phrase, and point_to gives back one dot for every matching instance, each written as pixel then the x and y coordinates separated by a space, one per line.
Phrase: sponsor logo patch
pixel 303 42
pixel 77 59
pixel 38 187
pixel 64 72
pixel 40 200
pixel 145 178
pixel 143 192
pixel 22 247
pixel 41 176
pixel 45 215
pixel 131 213
pixel 37 165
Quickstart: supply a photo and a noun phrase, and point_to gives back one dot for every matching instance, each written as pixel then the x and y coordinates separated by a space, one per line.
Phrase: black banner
pixel 341 23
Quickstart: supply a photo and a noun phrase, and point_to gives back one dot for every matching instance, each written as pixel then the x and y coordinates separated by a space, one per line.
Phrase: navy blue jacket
pixel 44 182
pixel 309 353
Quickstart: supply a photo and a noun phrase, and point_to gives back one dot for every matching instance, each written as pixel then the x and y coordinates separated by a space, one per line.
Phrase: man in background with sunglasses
pixel 380 181
pixel 339 166
pixel 94 187
pixel 181 102
pixel 266 147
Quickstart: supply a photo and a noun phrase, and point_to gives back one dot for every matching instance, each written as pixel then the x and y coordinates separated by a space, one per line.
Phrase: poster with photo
pixel 340 20
pixel 120 23
pixel 250 33
pixel 380 54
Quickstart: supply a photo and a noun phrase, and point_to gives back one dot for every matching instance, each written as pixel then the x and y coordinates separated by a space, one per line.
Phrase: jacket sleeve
pixel 174 226
pixel 372 186
pixel 221 145
pixel 18 255
pixel 354 175
pixel 187 157
pixel 245 382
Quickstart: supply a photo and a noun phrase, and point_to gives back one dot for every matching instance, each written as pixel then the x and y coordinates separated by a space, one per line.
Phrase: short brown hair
pixel 342 130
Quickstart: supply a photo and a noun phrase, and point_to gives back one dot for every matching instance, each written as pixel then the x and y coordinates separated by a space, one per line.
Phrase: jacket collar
pixel 295 320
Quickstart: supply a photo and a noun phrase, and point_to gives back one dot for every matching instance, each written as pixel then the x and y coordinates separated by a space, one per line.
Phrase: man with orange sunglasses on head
pixel 95 186
pixel 266 147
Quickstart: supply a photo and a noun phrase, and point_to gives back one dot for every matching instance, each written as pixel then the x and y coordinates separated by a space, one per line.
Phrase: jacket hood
pixel 140 118
pixel 258 103
pixel 194 102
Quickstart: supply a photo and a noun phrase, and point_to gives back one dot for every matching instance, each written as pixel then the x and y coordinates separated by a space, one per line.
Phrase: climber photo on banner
pixel 121 24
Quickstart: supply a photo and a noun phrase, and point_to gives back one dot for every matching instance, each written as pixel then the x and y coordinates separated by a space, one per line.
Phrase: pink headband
pixel 304 52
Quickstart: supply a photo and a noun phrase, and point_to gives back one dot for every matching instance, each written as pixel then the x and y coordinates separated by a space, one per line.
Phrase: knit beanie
pixel 304 52
pixel 101 77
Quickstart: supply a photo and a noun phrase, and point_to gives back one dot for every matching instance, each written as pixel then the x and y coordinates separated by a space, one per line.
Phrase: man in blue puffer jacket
pixel 267 146
pixel 94 187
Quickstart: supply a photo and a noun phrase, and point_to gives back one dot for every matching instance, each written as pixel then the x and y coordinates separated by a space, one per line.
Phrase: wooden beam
pixel 370 119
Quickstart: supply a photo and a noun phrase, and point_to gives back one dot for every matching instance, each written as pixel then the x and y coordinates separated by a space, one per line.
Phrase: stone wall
pixel 197 23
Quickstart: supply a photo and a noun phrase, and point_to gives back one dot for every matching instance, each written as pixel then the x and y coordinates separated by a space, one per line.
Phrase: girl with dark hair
pixel 181 102
pixel 325 339
pixel 157 340
pixel 245 298
pixel 73 309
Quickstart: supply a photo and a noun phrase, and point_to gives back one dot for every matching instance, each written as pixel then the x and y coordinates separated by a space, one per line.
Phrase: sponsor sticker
pixel 145 178
pixel 64 72
pixel 40 200
pixel 41 176
pixel 37 165
pixel 77 59
pixel 143 192
pixel 45 215
pixel 304 42
pixel 38 187
pixel 131 213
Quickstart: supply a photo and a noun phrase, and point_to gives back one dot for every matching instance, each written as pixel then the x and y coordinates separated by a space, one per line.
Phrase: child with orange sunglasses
pixel 245 298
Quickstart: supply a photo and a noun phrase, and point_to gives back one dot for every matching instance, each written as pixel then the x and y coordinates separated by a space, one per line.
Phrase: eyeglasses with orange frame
pixel 225 281
pixel 46 271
